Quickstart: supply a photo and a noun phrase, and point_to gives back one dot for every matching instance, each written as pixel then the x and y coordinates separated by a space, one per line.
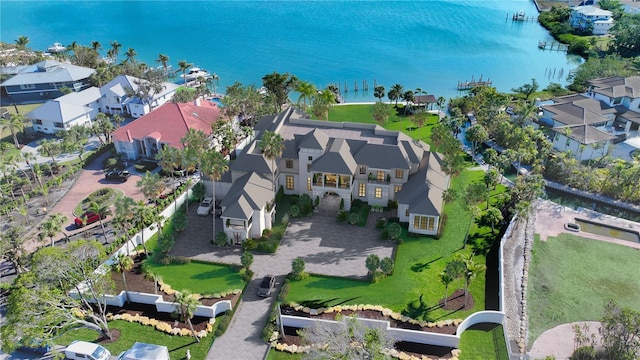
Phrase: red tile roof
pixel 170 122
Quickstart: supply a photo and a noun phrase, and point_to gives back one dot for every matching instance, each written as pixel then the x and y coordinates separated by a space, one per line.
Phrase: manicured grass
pixel 281 355
pixel 132 332
pixel 199 277
pixel 571 278
pixel 414 288
pixel 483 341
pixel 362 114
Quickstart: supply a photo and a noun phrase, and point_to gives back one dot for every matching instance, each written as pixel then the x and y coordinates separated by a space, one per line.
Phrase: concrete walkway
pixel 559 342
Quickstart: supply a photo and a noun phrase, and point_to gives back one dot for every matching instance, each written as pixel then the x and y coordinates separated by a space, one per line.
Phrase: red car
pixel 90 218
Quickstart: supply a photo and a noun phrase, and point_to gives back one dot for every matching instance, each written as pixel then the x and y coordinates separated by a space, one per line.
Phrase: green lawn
pixel 281 355
pixel 571 278
pixel 362 114
pixel 413 288
pixel 132 332
pixel 199 277
pixel 483 341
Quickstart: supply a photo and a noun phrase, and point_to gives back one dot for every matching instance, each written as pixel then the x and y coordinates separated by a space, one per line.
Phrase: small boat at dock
pixel 56 48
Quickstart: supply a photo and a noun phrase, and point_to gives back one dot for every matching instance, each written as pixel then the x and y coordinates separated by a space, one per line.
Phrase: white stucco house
pixel 117 98
pixel 347 161
pixel 591 17
pixel 76 108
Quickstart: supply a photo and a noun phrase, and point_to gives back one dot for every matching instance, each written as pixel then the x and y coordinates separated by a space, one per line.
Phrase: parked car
pixel 117 175
pixel 82 350
pixel 143 351
pixel 89 217
pixel 205 206
pixel 266 286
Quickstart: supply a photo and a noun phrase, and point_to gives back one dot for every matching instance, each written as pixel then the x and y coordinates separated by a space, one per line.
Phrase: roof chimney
pixel 196 102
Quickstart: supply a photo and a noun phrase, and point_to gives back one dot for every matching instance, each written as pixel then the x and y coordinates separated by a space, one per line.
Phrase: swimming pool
pixel 217 101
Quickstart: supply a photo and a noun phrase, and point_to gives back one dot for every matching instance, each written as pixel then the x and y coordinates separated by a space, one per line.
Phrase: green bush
pixel 279 194
pixel 284 291
pixel 223 323
pixel 384 234
pixel 305 204
pixel 269 246
pixel 392 204
pixel 342 216
pixel 249 244
pixel 221 238
pixel 180 260
pixel 285 220
pixel 584 353
pixel 294 211
pixel 247 275
pixel 354 218
pixel 341 204
pixel 380 223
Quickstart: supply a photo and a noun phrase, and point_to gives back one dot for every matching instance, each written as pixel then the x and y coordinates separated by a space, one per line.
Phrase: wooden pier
pixel 468 85
pixel 520 16
pixel 357 86
pixel 552 46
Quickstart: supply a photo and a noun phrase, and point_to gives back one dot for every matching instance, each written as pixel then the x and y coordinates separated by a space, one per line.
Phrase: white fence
pixel 165 306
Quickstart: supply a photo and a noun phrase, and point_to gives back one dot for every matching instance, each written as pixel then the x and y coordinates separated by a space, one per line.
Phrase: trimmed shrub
pixel 268 246
pixel 353 218
pixel 179 260
pixel 249 244
pixel 384 234
pixel 342 216
pixel 317 202
pixel 279 194
pixel 247 275
pixel 284 292
pixel 386 265
pixel 394 230
pixel 392 204
pixel 380 223
pixel 294 211
pixel 221 238
pixel 341 204
pixel 223 323
pixel 285 220
pixel 306 204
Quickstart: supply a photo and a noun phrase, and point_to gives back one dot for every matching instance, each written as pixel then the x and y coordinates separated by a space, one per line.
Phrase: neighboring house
pixel 592 18
pixel 346 160
pixel 117 98
pixel 588 124
pixel 42 81
pixel 76 108
pixel 165 126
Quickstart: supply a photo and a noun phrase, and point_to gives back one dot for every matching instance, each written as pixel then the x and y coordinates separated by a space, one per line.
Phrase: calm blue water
pixel 426 44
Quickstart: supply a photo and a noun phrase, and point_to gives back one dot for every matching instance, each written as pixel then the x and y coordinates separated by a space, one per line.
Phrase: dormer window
pixel 289 163
pixel 363 170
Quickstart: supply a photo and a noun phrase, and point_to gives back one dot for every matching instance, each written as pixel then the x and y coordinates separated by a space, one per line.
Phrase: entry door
pixel 237 240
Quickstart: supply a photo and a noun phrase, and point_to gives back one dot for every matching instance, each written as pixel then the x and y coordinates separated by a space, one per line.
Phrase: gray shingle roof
pixel 381 157
pixel 249 193
pixel 580 111
pixel 423 192
pixel 315 139
pixel 55 73
pixel 586 134
pixel 337 159
pixel 617 86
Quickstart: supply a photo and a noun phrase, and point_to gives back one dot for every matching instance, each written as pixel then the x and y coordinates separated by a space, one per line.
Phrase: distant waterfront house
pixel 117 97
pixel 347 161
pixel 588 124
pixel 42 81
pixel 76 108
pixel 165 126
pixel 592 18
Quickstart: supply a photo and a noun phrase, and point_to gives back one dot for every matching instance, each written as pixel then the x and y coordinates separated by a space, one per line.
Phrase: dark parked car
pixel 117 175
pixel 266 286
pixel 90 217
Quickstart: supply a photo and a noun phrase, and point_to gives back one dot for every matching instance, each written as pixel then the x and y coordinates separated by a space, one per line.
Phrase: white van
pixel 142 351
pixel 82 350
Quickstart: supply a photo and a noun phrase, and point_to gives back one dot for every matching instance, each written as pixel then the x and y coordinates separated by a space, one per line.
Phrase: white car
pixel 82 350
pixel 205 206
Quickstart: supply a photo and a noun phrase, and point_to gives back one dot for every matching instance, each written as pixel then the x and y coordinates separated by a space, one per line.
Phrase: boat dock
pixel 345 88
pixel 552 46
pixel 520 16
pixel 468 85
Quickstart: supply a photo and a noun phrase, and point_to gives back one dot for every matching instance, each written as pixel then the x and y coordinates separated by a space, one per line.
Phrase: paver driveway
pixel 326 247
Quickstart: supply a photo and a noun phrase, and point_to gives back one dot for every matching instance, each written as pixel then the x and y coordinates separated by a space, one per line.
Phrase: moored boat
pixel 56 48
pixel 195 73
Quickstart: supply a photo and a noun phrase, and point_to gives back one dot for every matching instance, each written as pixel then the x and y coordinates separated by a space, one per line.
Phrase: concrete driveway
pixel 326 247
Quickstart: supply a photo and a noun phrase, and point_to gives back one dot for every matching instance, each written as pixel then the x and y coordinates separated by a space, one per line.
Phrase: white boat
pixel 56 48
pixel 195 73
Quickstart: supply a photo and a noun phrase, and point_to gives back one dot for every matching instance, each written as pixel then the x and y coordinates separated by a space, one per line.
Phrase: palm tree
pixel 124 215
pixel 28 157
pixel 446 279
pixel 115 47
pixel 15 123
pixel 143 217
pixel 102 211
pixel 164 61
pixel 52 226
pixel 398 90
pixel 131 54
pixel 122 264
pixel 380 112
pixel 150 185
pixel 213 164
pixel 169 159
pixel 50 148
pixel 471 271
pixel 22 42
pixel 420 119
pixel 183 65
pixel 95 45
pixel 186 307
pixel 272 146
pixel 306 90
pixel 440 102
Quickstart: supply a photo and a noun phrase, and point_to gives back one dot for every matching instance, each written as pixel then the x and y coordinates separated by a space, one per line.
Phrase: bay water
pixel 429 44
